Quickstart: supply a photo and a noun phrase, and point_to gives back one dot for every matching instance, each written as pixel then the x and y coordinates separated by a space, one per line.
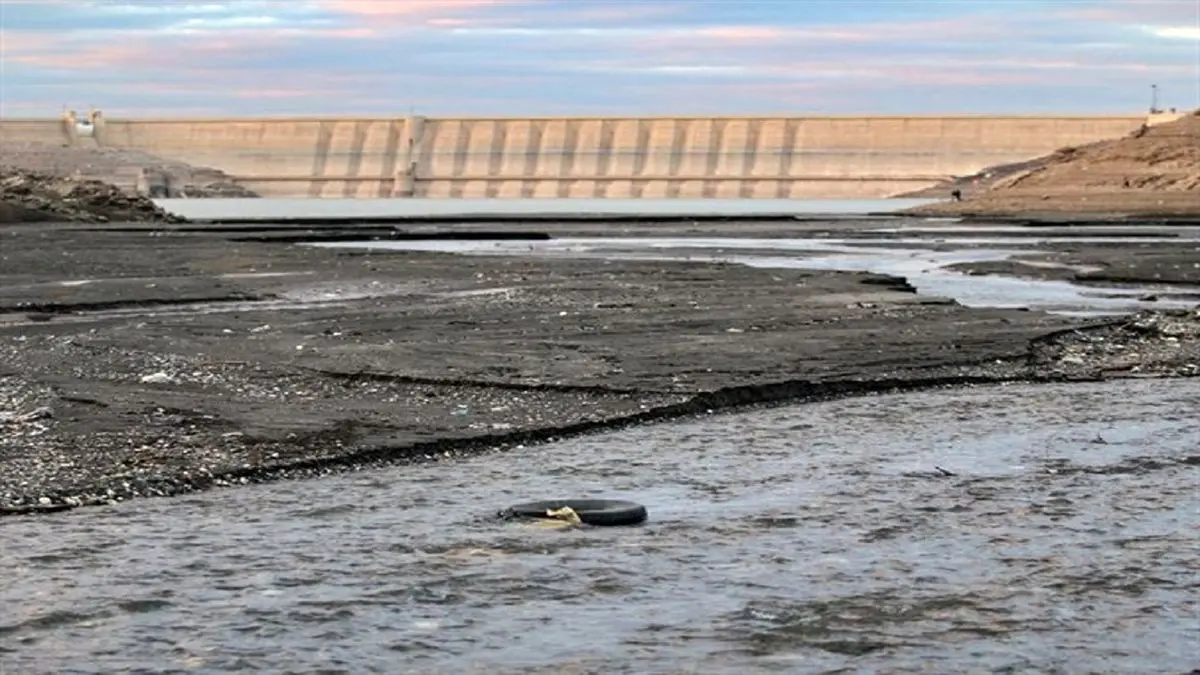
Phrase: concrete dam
pixel 661 157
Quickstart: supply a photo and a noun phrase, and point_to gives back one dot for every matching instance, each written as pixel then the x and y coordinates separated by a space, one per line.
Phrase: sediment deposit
pixel 158 361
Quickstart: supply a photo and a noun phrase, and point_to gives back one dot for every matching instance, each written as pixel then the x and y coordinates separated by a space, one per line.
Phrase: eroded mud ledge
pixel 157 363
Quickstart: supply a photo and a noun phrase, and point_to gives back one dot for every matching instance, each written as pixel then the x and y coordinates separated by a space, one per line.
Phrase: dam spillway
pixel 826 157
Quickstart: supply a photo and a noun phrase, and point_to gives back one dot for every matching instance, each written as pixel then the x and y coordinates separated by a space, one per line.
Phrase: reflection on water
pixel 802 539
pixel 924 268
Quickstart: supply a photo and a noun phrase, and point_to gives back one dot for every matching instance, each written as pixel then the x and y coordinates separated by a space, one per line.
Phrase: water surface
pixel 818 538
pixel 284 209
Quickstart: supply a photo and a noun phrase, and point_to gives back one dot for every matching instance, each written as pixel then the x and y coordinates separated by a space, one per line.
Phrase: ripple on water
pixel 1012 528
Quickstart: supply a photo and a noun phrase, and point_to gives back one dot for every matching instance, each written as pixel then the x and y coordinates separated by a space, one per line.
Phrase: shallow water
pixel 923 263
pixel 817 538
pixel 284 209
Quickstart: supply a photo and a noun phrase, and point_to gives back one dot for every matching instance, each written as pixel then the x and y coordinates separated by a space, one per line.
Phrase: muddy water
pixel 805 539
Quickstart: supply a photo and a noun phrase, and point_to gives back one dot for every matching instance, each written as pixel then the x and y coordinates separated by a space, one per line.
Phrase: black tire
pixel 603 512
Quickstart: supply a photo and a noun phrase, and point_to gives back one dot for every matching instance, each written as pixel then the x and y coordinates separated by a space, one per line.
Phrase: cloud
pixel 597 56
pixel 156 9
pixel 1137 11
pixel 1177 32
pixel 408 8
pixel 1167 19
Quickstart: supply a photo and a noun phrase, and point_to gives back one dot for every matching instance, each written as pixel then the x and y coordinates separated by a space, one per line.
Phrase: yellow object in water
pixel 561 518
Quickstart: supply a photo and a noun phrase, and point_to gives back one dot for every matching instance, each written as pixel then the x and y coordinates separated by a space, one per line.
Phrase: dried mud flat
pixel 147 363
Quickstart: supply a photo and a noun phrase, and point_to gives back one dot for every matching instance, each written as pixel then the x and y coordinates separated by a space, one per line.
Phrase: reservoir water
pixel 284 209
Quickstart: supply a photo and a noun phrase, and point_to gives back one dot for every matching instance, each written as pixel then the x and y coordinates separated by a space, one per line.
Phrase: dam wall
pixel 65 130
pixel 13 130
pixel 663 157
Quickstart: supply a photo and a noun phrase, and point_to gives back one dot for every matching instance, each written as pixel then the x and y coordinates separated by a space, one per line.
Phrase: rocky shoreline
pixel 152 362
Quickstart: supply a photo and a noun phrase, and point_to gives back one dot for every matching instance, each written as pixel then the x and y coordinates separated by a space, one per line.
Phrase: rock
pixel 32 416
pixel 157 378
pixel 216 190
pixel 38 414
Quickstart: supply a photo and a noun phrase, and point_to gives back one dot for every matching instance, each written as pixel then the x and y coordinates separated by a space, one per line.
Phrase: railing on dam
pixel 767 157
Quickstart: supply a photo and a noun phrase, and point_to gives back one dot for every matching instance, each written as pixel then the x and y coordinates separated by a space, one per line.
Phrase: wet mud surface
pixel 155 362
pixel 1003 529
pixel 1135 264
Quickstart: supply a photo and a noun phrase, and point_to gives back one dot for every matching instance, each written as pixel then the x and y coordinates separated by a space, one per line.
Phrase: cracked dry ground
pixel 156 363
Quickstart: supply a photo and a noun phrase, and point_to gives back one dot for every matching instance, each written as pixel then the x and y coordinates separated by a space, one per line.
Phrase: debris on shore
pixel 1147 344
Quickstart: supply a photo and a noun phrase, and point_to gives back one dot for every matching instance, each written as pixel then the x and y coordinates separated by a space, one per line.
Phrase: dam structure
pixel 810 157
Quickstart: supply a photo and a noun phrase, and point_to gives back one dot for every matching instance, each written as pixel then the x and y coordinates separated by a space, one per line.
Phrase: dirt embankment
pixel 122 167
pixel 41 181
pixel 1154 171
pixel 29 197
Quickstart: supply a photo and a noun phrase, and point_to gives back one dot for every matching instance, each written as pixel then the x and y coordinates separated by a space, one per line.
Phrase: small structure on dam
pixel 809 157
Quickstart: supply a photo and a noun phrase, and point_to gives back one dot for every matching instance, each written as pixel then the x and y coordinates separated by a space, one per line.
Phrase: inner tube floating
pixel 601 512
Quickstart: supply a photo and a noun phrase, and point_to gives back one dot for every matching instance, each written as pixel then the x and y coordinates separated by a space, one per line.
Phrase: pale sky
pixel 596 57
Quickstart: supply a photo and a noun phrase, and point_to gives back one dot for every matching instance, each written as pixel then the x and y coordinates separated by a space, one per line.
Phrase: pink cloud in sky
pixel 1164 19
pixel 151 51
pixel 1136 11
pixel 13 42
pixel 890 31
pixel 375 9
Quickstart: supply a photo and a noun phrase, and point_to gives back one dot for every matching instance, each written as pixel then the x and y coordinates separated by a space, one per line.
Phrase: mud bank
pixel 153 363
pixel 1177 270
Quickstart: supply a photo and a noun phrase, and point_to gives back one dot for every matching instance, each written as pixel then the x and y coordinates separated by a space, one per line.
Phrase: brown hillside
pixel 1153 171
